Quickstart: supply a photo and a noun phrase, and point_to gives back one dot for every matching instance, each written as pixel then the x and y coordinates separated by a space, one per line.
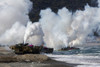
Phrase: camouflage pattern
pixel 24 48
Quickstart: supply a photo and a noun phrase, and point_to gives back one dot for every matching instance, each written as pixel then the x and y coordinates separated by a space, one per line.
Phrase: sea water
pixel 86 56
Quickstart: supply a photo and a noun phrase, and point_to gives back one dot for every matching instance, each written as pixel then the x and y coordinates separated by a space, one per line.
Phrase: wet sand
pixel 8 54
pixel 35 64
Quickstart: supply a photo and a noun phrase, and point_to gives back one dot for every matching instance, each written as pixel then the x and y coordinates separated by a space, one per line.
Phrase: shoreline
pixel 7 59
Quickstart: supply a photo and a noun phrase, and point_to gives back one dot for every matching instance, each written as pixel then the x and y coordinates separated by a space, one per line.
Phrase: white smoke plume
pixel 33 34
pixel 60 30
pixel 14 35
pixel 13 21
pixel 66 29
pixel 13 18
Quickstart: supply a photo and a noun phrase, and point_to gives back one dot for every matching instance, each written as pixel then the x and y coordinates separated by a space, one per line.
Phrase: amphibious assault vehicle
pixel 68 48
pixel 25 48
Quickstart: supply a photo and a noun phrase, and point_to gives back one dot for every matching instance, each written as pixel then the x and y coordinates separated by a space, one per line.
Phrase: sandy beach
pixel 8 59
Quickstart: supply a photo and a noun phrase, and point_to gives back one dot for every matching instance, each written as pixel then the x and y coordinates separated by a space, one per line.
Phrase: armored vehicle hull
pixel 68 48
pixel 25 48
